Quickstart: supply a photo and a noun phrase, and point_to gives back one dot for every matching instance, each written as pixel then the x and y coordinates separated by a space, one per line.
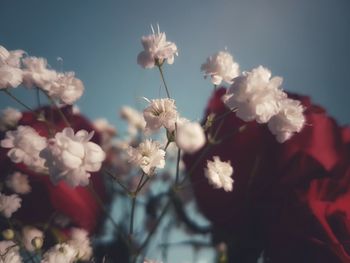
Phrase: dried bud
pixel 37 242
pixel 8 234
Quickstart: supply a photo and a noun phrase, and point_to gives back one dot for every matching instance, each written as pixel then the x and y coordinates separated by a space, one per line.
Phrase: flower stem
pixel 163 79
pixel 63 117
pixel 118 181
pixel 178 166
pixel 19 101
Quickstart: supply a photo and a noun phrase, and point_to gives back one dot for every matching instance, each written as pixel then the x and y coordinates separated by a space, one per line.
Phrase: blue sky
pixel 306 42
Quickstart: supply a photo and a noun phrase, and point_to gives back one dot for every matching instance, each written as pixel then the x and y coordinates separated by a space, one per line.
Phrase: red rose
pixel 45 199
pixel 268 176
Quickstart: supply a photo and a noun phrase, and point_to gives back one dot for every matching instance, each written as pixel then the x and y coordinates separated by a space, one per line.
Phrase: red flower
pixel 45 199
pixel 271 181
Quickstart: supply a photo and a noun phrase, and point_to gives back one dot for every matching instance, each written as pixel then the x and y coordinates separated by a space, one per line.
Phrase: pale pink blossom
pixel 71 157
pixel 219 174
pixel 190 136
pixel 156 50
pixel 10 77
pixel 220 67
pixel 80 241
pixel 60 253
pixel 10 252
pixel 9 204
pixel 18 183
pixel 28 235
pixel 9 118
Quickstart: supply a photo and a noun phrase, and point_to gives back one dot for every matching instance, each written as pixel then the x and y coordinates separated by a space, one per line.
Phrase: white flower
pixel 9 204
pixel 135 119
pixel 18 183
pixel 10 77
pixel 36 73
pixel 28 235
pixel 156 50
pixel 9 252
pixel 190 136
pixel 71 157
pixel 220 67
pixel 9 118
pixel 25 144
pixel 255 95
pixel 103 126
pixel 219 174
pixel 81 243
pixel 10 58
pixel 151 261
pixel 66 88
pixel 10 72
pixel 148 156
pixel 288 121
pixel 60 253
pixel 160 112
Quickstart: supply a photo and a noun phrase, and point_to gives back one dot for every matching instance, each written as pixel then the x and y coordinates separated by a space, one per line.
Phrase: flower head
pixel 190 136
pixel 156 50
pixel 219 173
pixel 66 88
pixel 29 234
pixel 148 156
pixel 36 73
pixel 9 204
pixel 10 77
pixel 9 118
pixel 160 112
pixel 25 145
pixel 60 253
pixel 18 183
pixel 255 95
pixel 71 157
pixel 289 120
pixel 9 252
pixel 10 58
pixel 81 243
pixel 220 67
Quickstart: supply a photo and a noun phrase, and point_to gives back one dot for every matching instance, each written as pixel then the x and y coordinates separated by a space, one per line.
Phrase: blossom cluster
pixel 54 146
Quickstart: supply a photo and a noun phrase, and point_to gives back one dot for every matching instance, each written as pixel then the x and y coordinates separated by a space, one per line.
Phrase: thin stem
pixel 167 145
pixel 19 101
pixel 118 181
pixel 178 166
pixel 162 77
pixel 63 117
pixel 38 97
pixel 153 230
pixel 101 204
pixel 131 227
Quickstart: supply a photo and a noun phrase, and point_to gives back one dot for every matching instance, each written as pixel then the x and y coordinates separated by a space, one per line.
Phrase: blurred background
pixel 305 42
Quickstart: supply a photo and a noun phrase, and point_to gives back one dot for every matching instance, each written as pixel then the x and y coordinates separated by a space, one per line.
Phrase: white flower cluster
pixel 25 145
pixel 257 96
pixel 18 183
pixel 9 204
pixel 31 237
pixel 156 50
pixel 77 248
pixel 135 120
pixel 9 252
pixel 10 72
pixel 148 156
pixel 219 174
pixel 220 67
pixel 9 118
pixel 71 157
pixel 34 72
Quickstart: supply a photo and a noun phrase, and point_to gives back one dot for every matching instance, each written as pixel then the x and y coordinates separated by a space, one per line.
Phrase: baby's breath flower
pixel 9 204
pixel 60 253
pixel 25 145
pixel 18 183
pixel 220 67
pixel 28 236
pixel 255 95
pixel 156 50
pixel 289 120
pixel 10 252
pixel 160 112
pixel 148 156
pixel 9 118
pixel 71 157
pixel 81 243
pixel 219 174
pixel 190 136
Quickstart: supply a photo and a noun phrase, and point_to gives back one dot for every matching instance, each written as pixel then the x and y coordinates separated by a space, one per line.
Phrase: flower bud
pixel 8 234
pixel 37 242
